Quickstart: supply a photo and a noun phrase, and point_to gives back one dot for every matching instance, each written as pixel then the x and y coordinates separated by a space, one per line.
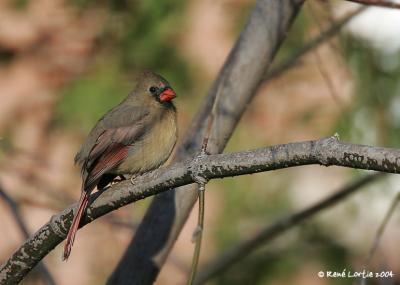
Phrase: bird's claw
pixel 204 152
pixel 133 177
pixel 117 180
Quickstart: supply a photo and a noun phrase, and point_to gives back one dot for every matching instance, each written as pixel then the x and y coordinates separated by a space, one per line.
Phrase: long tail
pixel 83 201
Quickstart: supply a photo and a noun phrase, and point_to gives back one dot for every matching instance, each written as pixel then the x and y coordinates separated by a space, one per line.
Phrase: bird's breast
pixel 153 148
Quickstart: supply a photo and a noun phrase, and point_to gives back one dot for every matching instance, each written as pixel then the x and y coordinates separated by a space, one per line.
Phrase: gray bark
pixel 236 85
pixel 326 152
pixel 244 248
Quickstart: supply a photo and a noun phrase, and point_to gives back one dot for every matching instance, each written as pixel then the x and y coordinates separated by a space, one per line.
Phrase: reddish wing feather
pixel 123 135
pixel 103 158
pixel 113 155
pixel 110 149
pixel 111 158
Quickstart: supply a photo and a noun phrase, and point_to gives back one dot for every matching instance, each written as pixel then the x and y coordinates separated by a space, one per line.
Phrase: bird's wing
pixel 120 128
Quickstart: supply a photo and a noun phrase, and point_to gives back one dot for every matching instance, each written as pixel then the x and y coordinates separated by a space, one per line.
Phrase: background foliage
pixel 63 64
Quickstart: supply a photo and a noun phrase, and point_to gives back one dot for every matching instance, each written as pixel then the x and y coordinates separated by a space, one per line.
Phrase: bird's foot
pixel 133 177
pixel 118 179
pixel 204 152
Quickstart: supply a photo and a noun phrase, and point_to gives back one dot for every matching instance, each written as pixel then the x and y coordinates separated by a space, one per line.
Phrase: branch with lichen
pixel 244 248
pixel 327 152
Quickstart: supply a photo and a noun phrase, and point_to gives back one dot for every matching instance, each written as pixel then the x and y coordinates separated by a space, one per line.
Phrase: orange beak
pixel 167 95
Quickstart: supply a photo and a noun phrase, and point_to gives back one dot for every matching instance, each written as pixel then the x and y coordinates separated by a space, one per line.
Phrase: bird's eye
pixel 153 90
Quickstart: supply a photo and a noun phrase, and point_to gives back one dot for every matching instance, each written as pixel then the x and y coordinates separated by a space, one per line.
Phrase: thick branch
pixel 244 248
pixel 236 84
pixel 15 210
pixel 326 152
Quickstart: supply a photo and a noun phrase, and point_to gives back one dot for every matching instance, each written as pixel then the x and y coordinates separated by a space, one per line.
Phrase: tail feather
pixel 83 201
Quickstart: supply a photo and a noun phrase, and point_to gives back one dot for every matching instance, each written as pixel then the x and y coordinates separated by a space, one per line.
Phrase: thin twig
pixel 378 235
pixel 246 247
pixel 327 151
pixel 333 45
pixel 322 70
pixel 331 86
pixel 198 235
pixel 330 32
pixel 274 72
pixel 210 119
pixel 14 207
pixel 382 228
pixel 252 53
pixel 378 3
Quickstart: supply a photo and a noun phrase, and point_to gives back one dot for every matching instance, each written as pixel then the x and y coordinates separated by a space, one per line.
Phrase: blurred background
pixel 65 63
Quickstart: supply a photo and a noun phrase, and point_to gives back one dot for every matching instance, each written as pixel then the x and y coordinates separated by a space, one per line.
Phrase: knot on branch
pixel 323 149
pixel 197 170
pixel 196 233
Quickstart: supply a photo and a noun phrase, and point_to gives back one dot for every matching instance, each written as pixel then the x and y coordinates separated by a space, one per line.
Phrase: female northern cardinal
pixel 134 137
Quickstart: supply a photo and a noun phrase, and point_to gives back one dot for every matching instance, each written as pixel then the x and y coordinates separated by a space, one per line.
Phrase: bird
pixel 135 137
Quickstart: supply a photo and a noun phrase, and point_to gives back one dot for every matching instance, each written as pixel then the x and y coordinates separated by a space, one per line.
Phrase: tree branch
pixel 14 207
pixel 315 42
pixel 328 151
pixel 237 83
pixel 378 3
pixel 244 248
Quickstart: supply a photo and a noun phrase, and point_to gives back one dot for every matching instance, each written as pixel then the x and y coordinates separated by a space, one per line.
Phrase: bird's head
pixel 154 86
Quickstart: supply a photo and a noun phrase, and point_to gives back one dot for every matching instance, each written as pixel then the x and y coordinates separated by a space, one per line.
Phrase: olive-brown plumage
pixel 136 136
